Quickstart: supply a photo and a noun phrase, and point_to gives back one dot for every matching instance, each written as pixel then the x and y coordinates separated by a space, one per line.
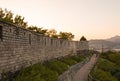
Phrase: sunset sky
pixel 95 19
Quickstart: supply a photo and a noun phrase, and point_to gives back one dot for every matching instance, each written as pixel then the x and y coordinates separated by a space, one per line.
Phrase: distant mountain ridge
pixel 114 39
pixel 111 43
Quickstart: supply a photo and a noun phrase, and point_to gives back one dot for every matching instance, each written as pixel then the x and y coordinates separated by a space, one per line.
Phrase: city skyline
pixel 95 19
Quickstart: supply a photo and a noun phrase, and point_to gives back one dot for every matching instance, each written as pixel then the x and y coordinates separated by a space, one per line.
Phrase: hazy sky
pixel 95 19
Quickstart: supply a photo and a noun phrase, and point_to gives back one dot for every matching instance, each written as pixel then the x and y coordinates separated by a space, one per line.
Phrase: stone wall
pixel 82 45
pixel 21 48
pixel 70 73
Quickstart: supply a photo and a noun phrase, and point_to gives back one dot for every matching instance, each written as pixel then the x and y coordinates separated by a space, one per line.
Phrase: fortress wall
pixel 21 48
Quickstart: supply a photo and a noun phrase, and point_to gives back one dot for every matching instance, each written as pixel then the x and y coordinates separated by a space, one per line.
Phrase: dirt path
pixel 82 74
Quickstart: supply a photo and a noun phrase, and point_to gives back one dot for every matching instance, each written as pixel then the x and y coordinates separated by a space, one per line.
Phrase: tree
pixel 52 33
pixel 19 20
pixel 38 30
pixel 2 14
pixel 33 28
pixel 43 31
pixel 54 36
pixel 66 35
pixel 8 16
pixel 83 39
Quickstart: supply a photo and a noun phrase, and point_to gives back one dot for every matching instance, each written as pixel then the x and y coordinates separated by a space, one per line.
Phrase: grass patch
pixel 57 66
pixel 36 72
pixel 107 67
pixel 69 61
pixel 48 71
pixel 103 75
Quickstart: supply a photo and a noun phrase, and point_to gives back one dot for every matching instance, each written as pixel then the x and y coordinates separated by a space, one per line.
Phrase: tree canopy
pixel 7 16
pixel 38 29
pixel 83 39
pixel 18 20
pixel 66 35
pixel 52 33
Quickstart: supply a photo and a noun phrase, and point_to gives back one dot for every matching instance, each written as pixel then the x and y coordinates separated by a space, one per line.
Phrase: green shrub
pixel 69 61
pixel 57 66
pixel 103 75
pixel 117 75
pixel 36 73
pixel 114 58
pixel 107 66
pixel 78 58
pixel 48 71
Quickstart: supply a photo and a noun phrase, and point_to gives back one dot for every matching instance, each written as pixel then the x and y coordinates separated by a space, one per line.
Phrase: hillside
pixel 111 43
pixel 115 39
pixel 107 67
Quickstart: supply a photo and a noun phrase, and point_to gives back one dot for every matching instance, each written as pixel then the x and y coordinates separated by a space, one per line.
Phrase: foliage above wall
pixel 18 20
pixel 7 16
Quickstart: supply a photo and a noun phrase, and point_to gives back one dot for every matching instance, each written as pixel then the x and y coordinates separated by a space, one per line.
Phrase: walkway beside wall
pixel 82 74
